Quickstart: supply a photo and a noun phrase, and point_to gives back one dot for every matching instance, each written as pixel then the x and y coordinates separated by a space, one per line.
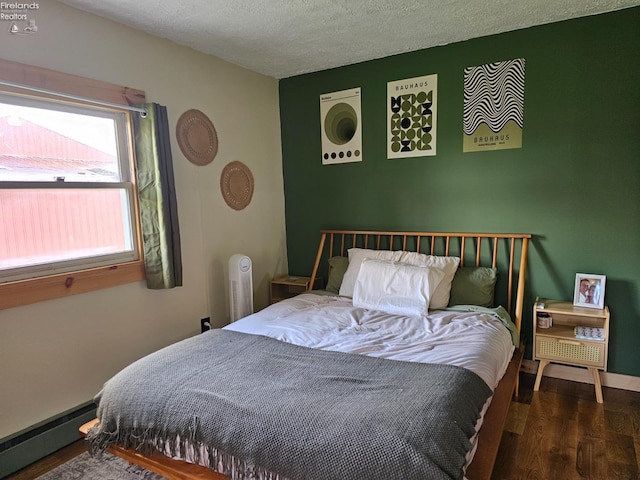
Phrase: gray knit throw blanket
pixel 295 411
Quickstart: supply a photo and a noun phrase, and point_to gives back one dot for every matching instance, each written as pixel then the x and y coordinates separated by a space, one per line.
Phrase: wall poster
pixel 411 117
pixel 341 126
pixel 493 106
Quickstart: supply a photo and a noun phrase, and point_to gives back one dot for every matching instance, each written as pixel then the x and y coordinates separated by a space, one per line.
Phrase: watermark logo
pixel 20 16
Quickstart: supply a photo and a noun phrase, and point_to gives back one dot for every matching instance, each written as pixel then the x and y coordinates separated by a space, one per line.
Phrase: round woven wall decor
pixel 236 184
pixel 197 137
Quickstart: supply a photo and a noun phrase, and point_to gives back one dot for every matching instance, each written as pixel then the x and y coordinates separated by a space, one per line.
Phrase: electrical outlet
pixel 205 324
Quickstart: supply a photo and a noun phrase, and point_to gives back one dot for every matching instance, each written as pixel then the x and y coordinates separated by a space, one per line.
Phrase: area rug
pixel 107 467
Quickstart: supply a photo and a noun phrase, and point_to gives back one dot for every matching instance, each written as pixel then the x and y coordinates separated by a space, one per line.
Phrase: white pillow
pixel 395 288
pixel 440 298
pixel 356 257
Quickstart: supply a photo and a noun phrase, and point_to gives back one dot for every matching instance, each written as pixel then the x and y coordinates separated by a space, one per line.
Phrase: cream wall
pixel 55 355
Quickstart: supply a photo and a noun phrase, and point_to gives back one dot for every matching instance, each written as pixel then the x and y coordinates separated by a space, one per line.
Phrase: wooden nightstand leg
pixel 543 363
pixel 597 384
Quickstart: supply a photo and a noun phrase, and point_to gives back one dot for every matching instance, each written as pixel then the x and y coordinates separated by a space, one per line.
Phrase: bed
pixel 404 366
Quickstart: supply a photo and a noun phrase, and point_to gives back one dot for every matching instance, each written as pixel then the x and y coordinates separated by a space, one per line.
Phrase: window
pixel 68 205
pixel 66 194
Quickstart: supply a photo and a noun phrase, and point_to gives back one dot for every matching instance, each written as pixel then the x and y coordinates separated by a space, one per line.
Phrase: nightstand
pixel 288 286
pixel 558 343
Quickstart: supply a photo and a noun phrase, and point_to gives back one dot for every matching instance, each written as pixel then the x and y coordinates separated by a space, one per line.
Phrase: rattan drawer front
pixel 571 351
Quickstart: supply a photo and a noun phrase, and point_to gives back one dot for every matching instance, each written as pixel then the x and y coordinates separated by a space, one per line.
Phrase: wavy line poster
pixel 411 117
pixel 494 106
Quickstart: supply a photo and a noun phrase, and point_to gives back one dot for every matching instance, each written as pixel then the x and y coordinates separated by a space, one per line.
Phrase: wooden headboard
pixel 505 251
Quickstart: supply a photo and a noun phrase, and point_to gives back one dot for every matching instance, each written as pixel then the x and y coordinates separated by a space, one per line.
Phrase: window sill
pixel 24 292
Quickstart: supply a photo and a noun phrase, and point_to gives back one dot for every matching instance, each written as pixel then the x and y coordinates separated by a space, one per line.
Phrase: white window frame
pixel 121 120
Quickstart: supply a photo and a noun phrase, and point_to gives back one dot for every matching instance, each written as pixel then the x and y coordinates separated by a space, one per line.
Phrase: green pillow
pixel 473 286
pixel 337 267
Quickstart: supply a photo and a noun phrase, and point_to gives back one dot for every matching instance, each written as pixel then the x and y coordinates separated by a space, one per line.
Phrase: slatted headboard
pixel 505 251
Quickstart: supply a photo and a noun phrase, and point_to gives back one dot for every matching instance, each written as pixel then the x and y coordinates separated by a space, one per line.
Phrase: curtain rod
pixel 142 111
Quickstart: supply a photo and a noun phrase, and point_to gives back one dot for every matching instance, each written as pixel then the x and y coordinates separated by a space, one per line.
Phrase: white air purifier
pixel 240 286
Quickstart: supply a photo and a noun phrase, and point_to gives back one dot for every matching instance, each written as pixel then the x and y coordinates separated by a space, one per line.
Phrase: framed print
pixel 589 290
pixel 493 115
pixel 341 126
pixel 412 108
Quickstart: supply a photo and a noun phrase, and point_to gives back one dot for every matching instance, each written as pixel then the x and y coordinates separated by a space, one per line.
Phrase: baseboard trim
pixel 42 440
pixel 577 374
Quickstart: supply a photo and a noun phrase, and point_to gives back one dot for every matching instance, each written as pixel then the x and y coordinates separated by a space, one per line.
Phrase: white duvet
pixel 476 341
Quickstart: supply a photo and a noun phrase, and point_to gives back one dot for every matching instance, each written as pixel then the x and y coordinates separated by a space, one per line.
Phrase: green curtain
pixel 157 198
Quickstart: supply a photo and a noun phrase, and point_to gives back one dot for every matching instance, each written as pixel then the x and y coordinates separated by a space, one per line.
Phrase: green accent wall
pixel 574 184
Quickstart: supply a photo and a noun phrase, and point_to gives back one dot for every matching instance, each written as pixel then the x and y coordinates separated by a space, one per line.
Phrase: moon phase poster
pixel 494 106
pixel 411 117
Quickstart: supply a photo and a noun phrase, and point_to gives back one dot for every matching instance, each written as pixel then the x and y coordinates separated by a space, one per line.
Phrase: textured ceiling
pixel 282 38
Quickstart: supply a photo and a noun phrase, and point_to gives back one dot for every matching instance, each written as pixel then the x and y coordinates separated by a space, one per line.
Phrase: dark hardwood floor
pixel 558 433
pixel 49 463
pixel 561 432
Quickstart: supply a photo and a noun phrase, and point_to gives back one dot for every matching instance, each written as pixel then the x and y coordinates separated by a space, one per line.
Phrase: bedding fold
pixel 499 312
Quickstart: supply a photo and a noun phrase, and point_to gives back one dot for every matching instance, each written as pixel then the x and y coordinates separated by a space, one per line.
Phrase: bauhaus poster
pixel 493 106
pixel 412 117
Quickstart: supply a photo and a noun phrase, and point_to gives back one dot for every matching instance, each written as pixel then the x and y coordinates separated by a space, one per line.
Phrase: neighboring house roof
pixel 49 225
pixel 28 149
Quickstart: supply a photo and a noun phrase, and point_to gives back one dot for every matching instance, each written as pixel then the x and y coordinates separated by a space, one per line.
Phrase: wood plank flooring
pixel 559 433
pixel 49 463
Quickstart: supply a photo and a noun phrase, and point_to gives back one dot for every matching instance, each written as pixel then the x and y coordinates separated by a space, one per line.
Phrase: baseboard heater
pixel 36 442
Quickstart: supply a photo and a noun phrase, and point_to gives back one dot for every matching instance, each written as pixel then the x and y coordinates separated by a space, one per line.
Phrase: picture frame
pixel 589 290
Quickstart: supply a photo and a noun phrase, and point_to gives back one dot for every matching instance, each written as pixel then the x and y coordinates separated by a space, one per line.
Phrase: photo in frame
pixel 589 290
